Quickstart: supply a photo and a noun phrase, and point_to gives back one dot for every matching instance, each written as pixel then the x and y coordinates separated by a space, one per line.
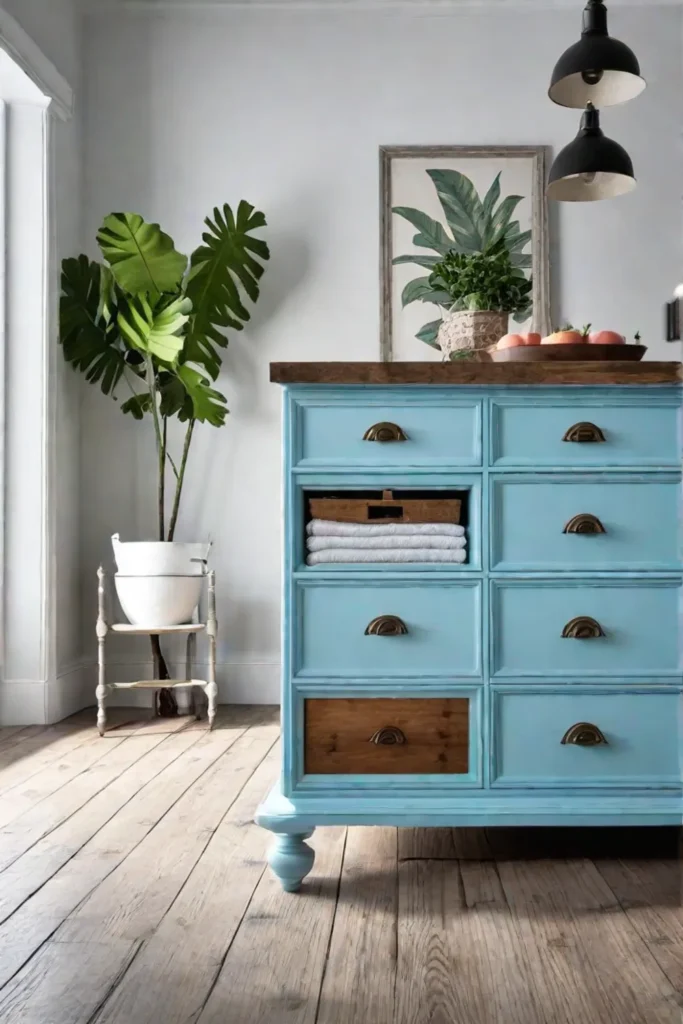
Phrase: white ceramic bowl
pixel 158 600
pixel 159 558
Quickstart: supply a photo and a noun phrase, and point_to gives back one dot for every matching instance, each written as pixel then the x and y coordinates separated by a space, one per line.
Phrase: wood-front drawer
pixel 374 629
pixel 393 736
pixel 386 431
pixel 585 523
pixel 565 628
pixel 609 739
pixel 532 434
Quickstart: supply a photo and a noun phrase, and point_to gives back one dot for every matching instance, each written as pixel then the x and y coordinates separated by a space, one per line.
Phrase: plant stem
pixel 168 705
pixel 161 448
pixel 180 478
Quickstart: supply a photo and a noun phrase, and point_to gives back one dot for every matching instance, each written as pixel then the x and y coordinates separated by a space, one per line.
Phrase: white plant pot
pixel 159 558
pixel 158 600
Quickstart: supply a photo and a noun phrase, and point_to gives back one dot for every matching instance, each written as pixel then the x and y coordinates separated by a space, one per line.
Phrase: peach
pixel 571 337
pixel 606 338
pixel 510 341
pixel 532 338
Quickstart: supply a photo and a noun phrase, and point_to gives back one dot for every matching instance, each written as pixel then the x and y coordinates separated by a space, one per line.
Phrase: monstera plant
pixel 472 225
pixel 149 324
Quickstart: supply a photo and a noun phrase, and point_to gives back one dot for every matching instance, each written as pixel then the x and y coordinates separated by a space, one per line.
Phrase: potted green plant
pixel 150 320
pixel 478 291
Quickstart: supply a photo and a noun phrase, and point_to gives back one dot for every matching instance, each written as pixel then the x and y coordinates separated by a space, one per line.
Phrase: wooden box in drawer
pixel 367 736
pixel 601 432
pixel 382 629
pixel 565 628
pixel 586 739
pixel 386 432
pixel 585 523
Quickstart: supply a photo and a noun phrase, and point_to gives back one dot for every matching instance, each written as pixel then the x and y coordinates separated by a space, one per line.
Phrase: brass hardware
pixel 389 736
pixel 384 432
pixel 584 734
pixel 584 523
pixel 583 627
pixel 583 433
pixel 386 625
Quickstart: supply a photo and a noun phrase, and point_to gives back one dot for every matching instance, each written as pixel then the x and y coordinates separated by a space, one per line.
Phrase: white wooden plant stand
pixel 190 630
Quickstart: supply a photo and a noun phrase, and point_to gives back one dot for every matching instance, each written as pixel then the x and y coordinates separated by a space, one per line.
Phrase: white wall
pixel 287 109
pixel 55 26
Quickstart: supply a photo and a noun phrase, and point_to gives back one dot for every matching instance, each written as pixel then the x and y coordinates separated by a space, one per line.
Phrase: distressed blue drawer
pixel 334 638
pixel 641 733
pixel 329 431
pixel 640 622
pixel 639 515
pixel 528 433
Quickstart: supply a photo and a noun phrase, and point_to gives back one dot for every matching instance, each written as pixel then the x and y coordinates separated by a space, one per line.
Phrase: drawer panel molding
pixel 632 629
pixel 585 523
pixel 388 629
pixel 640 431
pixel 564 737
pixel 385 429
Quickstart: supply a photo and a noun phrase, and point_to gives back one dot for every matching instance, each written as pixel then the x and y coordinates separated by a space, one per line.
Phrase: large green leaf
pixel 429 333
pixel 155 331
pixel 462 207
pixel 501 218
pixel 221 269
pixel 431 234
pixel 90 340
pixel 420 290
pixel 209 406
pixel 490 199
pixel 143 259
pixel 420 261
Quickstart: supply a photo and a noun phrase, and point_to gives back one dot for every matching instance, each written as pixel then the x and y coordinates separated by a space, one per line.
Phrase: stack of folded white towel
pixel 329 541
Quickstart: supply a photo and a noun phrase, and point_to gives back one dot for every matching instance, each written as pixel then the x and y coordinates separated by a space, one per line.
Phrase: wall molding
pixel 446 7
pixel 31 59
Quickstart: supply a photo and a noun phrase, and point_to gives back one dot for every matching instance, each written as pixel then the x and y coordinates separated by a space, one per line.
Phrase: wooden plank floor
pixel 133 891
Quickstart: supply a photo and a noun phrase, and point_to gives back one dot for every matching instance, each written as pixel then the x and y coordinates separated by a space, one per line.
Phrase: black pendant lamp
pixel 591 167
pixel 598 69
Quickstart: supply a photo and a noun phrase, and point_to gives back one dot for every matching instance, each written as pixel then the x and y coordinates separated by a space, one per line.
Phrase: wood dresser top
pixel 468 372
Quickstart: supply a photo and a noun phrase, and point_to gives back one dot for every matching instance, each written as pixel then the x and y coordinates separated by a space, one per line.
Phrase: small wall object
pixel 189 630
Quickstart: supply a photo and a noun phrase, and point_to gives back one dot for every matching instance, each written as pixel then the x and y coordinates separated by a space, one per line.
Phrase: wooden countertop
pixel 468 372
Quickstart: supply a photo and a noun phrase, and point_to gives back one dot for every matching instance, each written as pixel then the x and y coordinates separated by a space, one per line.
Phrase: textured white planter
pixel 158 600
pixel 471 330
pixel 159 558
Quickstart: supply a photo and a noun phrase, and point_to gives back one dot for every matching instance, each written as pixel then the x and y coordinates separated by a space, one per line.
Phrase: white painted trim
pixel 3 360
pixel 410 6
pixel 31 59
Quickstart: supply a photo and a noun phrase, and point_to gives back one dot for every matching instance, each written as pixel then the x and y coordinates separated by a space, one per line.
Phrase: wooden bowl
pixel 569 353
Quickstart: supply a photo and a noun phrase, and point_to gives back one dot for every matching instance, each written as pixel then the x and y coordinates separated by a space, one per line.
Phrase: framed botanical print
pixel 437 200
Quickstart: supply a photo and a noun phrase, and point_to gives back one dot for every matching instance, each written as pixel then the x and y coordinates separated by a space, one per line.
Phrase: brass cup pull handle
pixel 584 433
pixel 389 736
pixel 584 523
pixel 583 627
pixel 384 432
pixel 584 734
pixel 386 625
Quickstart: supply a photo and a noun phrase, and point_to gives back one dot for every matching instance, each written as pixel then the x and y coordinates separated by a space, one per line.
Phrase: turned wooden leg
pixel 291 859
pixel 211 690
pixel 102 629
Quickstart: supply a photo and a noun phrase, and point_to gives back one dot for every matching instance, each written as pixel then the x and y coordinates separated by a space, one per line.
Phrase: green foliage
pixel 476 226
pixel 144 318
pixel 482 281
pixel 227 262
pixel 142 258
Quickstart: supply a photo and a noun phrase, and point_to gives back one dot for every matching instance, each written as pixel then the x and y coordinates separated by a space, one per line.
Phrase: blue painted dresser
pixel 538 683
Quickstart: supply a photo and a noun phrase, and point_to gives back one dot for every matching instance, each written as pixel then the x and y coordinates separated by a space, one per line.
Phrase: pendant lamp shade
pixel 598 69
pixel 591 167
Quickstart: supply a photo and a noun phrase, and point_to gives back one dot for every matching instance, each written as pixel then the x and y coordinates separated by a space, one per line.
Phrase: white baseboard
pixel 23 702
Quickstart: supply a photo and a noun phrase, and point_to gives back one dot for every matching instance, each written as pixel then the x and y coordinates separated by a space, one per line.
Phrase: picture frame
pixel 405 182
